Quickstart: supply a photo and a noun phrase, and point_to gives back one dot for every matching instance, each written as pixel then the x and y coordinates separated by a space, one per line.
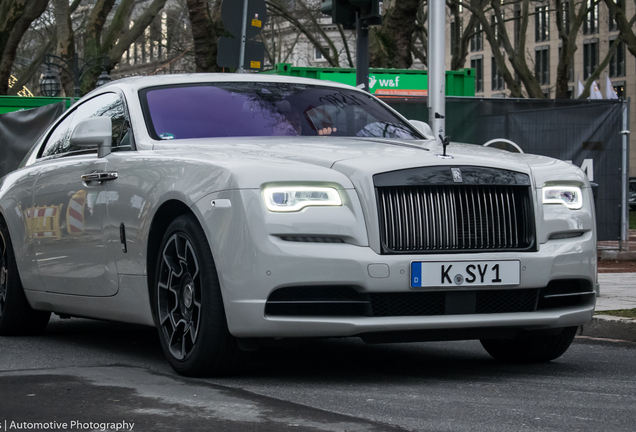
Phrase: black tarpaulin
pixel 19 130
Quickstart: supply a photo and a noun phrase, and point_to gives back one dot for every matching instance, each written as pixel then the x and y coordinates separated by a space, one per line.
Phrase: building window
pixel 542 23
pixel 570 69
pixel 497 77
pixel 453 38
pixel 617 62
pixel 542 65
pixel 318 55
pixel 478 65
pixel 565 16
pixel 619 88
pixel 493 24
pixel 590 25
pixel 612 25
pixel 590 58
pixel 477 41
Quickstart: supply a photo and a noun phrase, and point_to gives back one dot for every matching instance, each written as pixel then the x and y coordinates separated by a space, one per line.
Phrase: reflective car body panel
pixel 94 259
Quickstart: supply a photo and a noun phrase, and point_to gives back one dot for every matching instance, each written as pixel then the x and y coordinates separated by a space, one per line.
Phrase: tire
pixel 188 305
pixel 16 315
pixel 534 347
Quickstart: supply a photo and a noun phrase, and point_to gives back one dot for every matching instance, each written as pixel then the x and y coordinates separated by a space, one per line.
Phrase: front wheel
pixel 531 348
pixel 188 304
pixel 16 315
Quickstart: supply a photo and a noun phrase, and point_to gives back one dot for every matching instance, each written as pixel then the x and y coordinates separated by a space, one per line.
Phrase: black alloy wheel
pixel 179 296
pixel 188 304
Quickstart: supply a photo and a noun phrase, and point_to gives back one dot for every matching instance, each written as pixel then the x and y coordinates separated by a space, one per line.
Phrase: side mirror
pixel 94 131
pixel 424 128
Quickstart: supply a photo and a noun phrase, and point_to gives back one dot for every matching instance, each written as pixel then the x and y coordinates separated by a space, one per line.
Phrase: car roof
pixel 140 82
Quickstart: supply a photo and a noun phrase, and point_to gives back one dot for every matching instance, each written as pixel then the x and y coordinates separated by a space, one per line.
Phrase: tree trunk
pixel 568 43
pixel 206 29
pixel 460 39
pixel 65 41
pixel 390 44
pixel 117 39
pixel 95 26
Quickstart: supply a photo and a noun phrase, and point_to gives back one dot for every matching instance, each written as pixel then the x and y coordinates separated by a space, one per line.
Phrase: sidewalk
pixel 618 291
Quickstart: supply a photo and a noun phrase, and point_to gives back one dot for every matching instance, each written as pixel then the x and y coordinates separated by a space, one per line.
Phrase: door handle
pixel 100 176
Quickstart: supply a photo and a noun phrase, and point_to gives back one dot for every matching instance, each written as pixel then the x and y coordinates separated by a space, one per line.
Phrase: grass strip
pixel 626 313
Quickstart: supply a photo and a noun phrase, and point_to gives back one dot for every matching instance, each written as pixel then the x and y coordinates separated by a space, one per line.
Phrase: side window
pixel 108 104
pixel 58 139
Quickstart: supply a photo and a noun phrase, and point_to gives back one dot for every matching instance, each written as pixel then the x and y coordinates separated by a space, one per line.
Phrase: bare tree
pixel 460 36
pixel 390 43
pixel 205 19
pixel 115 39
pixel 48 41
pixel 597 72
pixel 65 39
pixel 15 18
pixel 303 15
pixel 421 34
pixel 624 23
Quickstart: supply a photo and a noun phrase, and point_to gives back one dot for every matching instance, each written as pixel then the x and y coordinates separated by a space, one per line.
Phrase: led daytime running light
pixel 295 198
pixel 570 196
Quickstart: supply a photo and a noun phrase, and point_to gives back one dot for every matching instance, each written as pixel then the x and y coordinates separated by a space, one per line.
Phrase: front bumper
pixel 253 261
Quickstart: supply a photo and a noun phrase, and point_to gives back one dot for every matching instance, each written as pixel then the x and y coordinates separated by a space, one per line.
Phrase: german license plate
pixel 464 273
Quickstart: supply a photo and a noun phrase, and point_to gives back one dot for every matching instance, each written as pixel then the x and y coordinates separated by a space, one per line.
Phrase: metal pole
pixel 624 242
pixel 436 67
pixel 243 32
pixel 362 54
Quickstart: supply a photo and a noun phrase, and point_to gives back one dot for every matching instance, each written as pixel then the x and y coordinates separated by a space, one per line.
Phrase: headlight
pixel 295 198
pixel 570 196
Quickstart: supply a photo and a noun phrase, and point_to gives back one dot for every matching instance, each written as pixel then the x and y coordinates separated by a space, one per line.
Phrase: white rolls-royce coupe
pixel 228 210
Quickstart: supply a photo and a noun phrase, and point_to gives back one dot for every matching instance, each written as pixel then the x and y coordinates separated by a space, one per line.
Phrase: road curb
pixel 610 327
pixel 614 255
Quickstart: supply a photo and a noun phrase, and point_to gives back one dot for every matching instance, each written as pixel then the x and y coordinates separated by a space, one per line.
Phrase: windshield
pixel 238 109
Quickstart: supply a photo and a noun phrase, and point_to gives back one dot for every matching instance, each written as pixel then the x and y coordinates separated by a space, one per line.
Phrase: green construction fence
pixel 386 82
pixel 19 103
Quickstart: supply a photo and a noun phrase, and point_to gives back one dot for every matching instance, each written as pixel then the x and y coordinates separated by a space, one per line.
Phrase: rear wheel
pixel 534 347
pixel 188 304
pixel 16 315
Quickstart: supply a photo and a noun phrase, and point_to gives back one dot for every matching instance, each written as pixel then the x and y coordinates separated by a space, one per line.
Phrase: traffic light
pixel 341 13
pixel 370 10
pixel 344 11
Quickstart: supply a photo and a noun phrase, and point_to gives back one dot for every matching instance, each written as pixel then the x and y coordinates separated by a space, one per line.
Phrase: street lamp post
pixel 73 70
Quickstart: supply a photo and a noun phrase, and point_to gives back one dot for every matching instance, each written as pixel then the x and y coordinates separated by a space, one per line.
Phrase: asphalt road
pixel 82 372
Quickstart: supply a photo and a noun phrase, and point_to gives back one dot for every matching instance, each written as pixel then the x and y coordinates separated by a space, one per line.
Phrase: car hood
pixel 357 158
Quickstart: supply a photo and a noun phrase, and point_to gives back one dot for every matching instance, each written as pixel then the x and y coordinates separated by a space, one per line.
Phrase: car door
pixel 127 215
pixel 69 213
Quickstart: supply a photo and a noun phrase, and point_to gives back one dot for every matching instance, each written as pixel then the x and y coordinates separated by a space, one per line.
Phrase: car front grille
pixel 442 217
